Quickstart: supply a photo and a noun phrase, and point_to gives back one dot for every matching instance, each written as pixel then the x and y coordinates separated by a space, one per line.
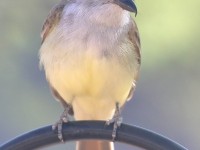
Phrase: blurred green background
pixel 167 99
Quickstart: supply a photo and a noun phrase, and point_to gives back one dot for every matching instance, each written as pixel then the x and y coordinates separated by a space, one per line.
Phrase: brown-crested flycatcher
pixel 91 56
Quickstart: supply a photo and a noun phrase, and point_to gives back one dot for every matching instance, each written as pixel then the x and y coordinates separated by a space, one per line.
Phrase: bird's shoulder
pixel 53 18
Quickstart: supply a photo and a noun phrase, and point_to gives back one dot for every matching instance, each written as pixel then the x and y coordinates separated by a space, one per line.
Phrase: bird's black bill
pixel 127 5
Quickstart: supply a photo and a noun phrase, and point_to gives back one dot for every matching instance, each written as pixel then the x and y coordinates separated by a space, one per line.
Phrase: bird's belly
pixel 92 85
pixel 89 76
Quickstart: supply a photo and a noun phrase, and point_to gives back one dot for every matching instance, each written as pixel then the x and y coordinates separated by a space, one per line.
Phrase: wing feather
pixel 134 37
pixel 53 18
pixel 52 21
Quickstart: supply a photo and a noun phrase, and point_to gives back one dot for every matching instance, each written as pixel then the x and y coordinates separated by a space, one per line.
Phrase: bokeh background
pixel 167 98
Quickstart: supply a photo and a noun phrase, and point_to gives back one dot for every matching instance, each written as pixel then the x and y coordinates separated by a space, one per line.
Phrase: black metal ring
pixel 79 130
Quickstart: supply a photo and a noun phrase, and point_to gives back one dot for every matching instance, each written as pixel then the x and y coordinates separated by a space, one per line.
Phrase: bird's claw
pixel 58 125
pixel 117 123
pixel 117 120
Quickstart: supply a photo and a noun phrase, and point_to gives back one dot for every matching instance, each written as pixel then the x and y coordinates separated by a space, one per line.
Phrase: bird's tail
pixel 94 145
pixel 86 109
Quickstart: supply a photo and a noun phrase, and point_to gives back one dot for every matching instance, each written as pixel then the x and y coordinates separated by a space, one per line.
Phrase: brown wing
pixel 53 19
pixel 49 24
pixel 134 37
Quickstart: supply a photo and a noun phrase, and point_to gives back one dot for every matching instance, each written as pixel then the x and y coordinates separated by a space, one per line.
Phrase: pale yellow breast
pixel 87 75
pixel 93 85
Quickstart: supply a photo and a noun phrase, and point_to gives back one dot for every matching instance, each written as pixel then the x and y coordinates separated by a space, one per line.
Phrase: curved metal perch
pixel 80 130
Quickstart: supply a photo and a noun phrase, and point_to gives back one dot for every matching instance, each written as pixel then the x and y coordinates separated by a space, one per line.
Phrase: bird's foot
pixel 117 120
pixel 58 125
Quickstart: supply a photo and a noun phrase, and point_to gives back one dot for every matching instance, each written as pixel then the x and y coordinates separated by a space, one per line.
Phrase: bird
pixel 90 53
